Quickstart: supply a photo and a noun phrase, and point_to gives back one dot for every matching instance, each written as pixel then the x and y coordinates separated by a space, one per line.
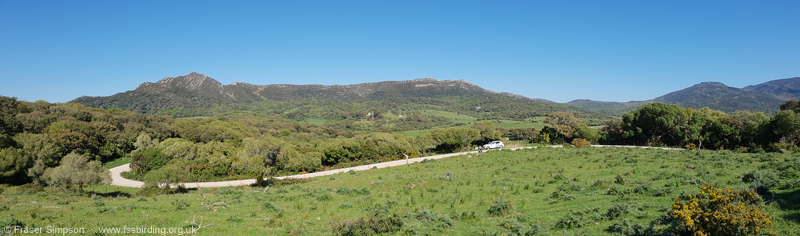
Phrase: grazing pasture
pixel 544 191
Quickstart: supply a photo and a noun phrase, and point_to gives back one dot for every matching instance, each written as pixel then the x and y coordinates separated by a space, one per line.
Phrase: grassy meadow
pixel 544 191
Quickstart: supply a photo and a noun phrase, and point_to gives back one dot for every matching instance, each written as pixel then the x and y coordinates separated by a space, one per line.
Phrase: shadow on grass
pixel 787 201
pixel 272 182
pixel 110 194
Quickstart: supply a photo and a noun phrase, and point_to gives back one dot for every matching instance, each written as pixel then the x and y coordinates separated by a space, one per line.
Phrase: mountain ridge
pixel 786 89
pixel 765 97
pixel 718 96
pixel 171 92
pixel 197 90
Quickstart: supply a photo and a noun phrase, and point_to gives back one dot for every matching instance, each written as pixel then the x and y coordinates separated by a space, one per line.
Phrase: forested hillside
pixel 199 95
pixel 783 89
pixel 719 96
pixel 764 97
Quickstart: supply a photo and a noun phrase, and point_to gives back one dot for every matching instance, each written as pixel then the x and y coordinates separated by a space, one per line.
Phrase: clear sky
pixel 557 50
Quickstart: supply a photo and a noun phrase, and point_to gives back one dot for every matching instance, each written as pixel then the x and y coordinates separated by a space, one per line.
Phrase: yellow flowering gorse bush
pixel 717 211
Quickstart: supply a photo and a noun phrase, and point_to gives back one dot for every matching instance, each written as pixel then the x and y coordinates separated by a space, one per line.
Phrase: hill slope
pixel 718 96
pixel 765 97
pixel 197 91
pixel 611 108
pixel 784 89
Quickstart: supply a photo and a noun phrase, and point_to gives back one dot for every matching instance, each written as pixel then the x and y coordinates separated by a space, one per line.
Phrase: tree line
pixel 38 138
pixel 658 124
pixel 40 141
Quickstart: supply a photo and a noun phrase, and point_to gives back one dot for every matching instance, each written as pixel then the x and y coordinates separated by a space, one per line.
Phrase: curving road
pixel 118 180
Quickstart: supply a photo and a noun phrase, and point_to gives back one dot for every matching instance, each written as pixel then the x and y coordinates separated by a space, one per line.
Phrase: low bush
pixel 581 143
pixel 180 204
pixel 352 191
pixel 716 211
pixel 501 207
pixel 522 228
pixel 375 224
pixel 447 176
pixel 579 219
pixel 234 219
pixel 425 222
pixel 268 206
pixel 626 227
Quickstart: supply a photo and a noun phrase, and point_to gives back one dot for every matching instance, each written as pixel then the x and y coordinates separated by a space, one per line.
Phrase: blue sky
pixel 557 50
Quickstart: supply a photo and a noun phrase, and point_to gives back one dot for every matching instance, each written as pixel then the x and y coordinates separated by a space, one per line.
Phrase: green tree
pixel 71 141
pixel 385 145
pixel 143 141
pixel 587 133
pixel 342 149
pixel 656 123
pixel 549 135
pixel 259 155
pixel 148 159
pixel 787 126
pixel 183 150
pixel 613 131
pixel 6 141
pixel 452 138
pixel 423 143
pixel 75 169
pixel 523 134
pixel 487 131
pixel 750 126
pixel 40 152
pixel 707 125
pixel 791 105
pixel 564 122
pixel 13 162
pixel 9 108
pixel 168 176
pixel 301 162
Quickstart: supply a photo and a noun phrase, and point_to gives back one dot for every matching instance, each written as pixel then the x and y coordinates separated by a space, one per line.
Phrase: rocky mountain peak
pixel 191 81
pixel 712 84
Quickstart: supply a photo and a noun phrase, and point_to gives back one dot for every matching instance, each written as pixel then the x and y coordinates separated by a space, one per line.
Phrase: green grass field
pixel 466 122
pixel 545 191
pixel 117 162
pixel 455 117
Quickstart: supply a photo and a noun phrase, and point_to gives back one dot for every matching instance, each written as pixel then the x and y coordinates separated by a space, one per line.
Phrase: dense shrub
pixel 180 204
pixel 626 227
pixel 375 224
pixel 717 211
pixel 579 142
pixel 501 207
pixel 616 211
pixel 148 159
pixel 425 222
pixel 577 219
pixel 520 226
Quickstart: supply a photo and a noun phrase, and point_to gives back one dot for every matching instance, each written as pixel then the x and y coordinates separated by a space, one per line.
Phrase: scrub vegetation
pixel 544 191
pixel 54 161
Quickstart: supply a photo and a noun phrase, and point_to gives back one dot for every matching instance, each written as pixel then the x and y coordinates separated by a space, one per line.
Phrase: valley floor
pixel 544 191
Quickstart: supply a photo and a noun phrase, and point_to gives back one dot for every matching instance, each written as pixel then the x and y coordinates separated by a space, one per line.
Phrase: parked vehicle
pixel 494 144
